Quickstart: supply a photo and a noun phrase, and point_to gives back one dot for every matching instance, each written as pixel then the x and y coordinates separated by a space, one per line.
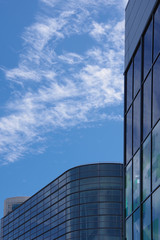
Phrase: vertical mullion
pixel 141 140
pixel 151 121
pixel 124 165
pixel 132 148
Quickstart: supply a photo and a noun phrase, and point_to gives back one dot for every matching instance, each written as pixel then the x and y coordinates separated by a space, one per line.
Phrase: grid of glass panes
pixel 142 136
pixel 83 203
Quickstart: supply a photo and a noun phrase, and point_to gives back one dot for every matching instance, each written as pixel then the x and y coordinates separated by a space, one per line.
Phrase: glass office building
pixel 142 125
pixel 83 203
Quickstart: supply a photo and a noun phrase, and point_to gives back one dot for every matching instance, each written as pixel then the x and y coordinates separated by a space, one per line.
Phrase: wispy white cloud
pixel 71 58
pixel 99 30
pixel 64 86
pixel 22 72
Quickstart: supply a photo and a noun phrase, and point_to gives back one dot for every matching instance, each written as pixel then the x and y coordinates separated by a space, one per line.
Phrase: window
pixel 129 85
pixel 136 180
pixel 129 229
pixel 156 215
pixel 89 171
pixel 110 195
pixel 147 219
pixel 156 32
pixel 129 135
pixel 136 123
pixel 156 95
pixel 147 50
pixel 89 209
pixel 136 225
pixel 89 196
pixel 146 162
pixel 137 71
pixel 147 106
pixel 110 208
pixel 129 189
pixel 156 156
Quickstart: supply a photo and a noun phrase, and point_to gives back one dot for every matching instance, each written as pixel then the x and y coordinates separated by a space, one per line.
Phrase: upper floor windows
pixel 137 71
pixel 147 44
pixel 156 95
pixel 147 106
pixel 157 32
pixel 136 123
pixel 129 135
pixel 133 78
pixel 129 83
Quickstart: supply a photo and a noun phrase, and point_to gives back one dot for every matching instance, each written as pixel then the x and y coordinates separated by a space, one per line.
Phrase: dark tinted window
pixel 129 135
pixel 136 180
pixel 146 166
pixel 147 219
pixel 129 189
pixel 156 214
pixel 156 156
pixel 89 171
pixel 136 225
pixel 157 32
pixel 147 106
pixel 156 90
pixel 129 84
pixel 136 123
pixel 137 70
pixel 147 50
pixel 129 229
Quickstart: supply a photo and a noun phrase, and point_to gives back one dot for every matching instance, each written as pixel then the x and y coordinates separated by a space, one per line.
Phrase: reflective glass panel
pixel 136 225
pixel 129 189
pixel 147 220
pixel 129 85
pixel 147 106
pixel 156 156
pixel 89 171
pixel 147 50
pixel 156 95
pixel 146 162
pixel 129 135
pixel 137 70
pixel 136 123
pixel 156 215
pixel 157 32
pixel 136 180
pixel 129 229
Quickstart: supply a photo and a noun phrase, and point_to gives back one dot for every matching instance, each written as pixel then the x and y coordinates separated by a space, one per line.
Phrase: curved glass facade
pixel 84 203
pixel 142 132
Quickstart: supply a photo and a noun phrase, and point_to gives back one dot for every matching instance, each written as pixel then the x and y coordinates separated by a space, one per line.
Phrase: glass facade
pixel 84 203
pixel 142 135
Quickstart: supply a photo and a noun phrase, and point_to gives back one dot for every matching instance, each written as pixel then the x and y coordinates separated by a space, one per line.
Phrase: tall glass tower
pixel 142 115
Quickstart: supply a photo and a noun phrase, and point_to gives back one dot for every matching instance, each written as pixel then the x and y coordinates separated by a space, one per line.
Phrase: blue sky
pixel 61 89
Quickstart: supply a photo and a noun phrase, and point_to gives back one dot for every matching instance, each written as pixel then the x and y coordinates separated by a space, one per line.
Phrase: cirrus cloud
pixel 64 85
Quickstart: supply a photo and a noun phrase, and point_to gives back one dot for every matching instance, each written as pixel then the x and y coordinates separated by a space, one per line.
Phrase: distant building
pixel 11 204
pixel 142 120
pixel 84 203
